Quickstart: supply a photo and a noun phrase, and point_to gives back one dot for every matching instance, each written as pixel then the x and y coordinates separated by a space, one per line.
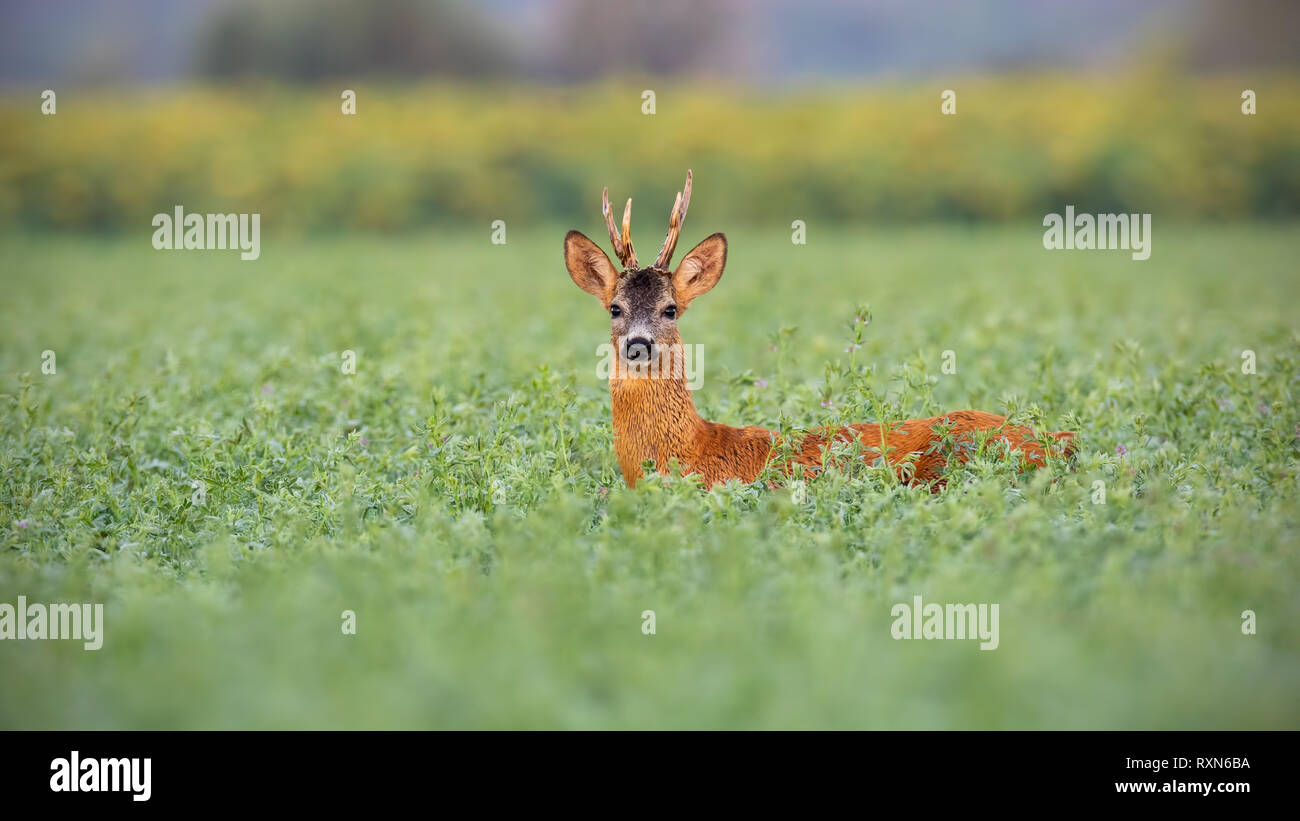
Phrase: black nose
pixel 637 349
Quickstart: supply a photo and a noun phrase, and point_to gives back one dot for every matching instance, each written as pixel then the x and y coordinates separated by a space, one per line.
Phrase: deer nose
pixel 637 349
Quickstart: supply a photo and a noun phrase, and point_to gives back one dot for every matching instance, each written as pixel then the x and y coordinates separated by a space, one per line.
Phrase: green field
pixel 459 492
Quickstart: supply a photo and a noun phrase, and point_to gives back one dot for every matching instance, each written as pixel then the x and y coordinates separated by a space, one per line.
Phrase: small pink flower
pixel 22 523
pixel 267 390
pixel 1121 450
pixel 828 403
pixel 1262 408
pixel 762 383
pixel 364 441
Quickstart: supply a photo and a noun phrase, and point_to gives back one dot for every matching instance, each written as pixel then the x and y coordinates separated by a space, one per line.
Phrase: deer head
pixel 645 302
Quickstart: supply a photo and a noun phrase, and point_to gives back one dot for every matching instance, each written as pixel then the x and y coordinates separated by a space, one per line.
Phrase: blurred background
pixel 524 109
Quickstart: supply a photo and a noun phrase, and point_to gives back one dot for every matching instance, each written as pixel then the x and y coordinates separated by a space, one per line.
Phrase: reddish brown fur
pixel 655 418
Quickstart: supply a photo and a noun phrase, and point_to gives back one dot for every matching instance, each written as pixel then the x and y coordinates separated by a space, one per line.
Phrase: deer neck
pixel 654 418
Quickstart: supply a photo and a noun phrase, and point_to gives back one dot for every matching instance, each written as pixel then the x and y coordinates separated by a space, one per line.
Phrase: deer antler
pixel 630 262
pixel 622 244
pixel 675 221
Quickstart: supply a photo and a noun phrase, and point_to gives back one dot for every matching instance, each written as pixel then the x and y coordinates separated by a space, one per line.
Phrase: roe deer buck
pixel 655 419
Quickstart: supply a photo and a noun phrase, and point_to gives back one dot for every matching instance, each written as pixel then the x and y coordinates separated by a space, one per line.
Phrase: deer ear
pixel 700 270
pixel 590 269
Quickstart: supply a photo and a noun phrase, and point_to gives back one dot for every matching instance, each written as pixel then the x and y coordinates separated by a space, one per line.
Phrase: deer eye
pixel 615 311
pixel 671 312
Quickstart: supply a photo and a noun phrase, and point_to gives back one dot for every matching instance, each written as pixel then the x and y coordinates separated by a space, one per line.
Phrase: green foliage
pixel 459 492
